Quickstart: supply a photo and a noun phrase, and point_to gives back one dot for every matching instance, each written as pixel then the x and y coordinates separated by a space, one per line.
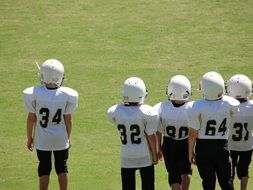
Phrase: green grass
pixel 101 43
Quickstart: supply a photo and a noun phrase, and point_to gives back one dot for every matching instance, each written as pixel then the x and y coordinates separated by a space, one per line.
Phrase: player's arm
pixel 159 145
pixel 152 145
pixel 193 134
pixel 151 120
pixel 31 120
pixel 68 123
pixel 71 106
pixel 193 118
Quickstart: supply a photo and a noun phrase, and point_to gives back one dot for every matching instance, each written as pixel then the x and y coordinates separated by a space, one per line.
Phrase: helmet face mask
pixel 239 87
pixel 179 88
pixel 212 86
pixel 52 72
pixel 134 91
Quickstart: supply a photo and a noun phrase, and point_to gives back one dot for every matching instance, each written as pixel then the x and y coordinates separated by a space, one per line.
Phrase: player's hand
pixel 155 159
pixel 160 155
pixel 29 144
pixel 70 143
pixel 192 158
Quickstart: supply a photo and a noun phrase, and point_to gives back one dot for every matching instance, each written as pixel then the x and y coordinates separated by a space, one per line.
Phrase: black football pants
pixel 147 178
pixel 213 159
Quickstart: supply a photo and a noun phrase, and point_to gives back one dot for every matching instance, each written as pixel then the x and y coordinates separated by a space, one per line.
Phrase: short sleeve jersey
pixel 240 135
pixel 50 105
pixel 212 118
pixel 133 124
pixel 172 121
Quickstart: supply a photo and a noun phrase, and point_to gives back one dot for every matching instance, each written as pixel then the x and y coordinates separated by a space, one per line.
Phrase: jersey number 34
pixel 45 117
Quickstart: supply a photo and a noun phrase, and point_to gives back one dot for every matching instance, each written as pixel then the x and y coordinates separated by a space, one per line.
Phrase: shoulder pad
pixel 28 91
pixel 69 91
pixel 232 101
pixel 148 110
pixel 157 106
pixel 196 105
pixel 250 102
pixel 189 104
pixel 112 109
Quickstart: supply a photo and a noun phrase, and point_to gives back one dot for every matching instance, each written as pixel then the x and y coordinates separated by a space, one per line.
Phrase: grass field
pixel 101 43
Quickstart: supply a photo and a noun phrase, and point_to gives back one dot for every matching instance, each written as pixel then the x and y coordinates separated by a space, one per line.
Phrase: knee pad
pixel 61 167
pixel 242 172
pixel 44 168
pixel 174 179
pixel 60 163
pixel 45 163
pixel 228 186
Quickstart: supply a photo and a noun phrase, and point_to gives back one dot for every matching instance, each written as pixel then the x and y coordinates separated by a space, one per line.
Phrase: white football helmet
pixel 179 88
pixel 134 90
pixel 239 86
pixel 52 71
pixel 212 86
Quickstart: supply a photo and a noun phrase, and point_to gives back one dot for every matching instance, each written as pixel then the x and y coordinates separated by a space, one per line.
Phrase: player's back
pixel 50 105
pixel 172 120
pixel 134 123
pixel 211 118
pixel 240 136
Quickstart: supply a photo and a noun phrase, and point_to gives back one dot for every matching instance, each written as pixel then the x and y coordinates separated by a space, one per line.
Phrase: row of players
pixel 207 132
pixel 202 125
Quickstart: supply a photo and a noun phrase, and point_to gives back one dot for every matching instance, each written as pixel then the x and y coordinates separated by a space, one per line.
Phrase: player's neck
pixel 132 104
pixel 242 100
pixel 178 103
pixel 214 99
pixel 51 86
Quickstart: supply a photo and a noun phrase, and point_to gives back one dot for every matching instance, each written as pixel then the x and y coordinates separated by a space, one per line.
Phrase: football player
pixel 174 129
pixel 136 123
pixel 209 119
pixel 49 121
pixel 240 136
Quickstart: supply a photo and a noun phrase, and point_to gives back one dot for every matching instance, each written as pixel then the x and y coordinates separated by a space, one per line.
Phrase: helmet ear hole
pixel 190 93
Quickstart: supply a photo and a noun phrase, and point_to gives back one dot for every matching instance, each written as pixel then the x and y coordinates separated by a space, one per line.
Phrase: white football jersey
pixel 50 105
pixel 212 118
pixel 134 123
pixel 240 134
pixel 172 120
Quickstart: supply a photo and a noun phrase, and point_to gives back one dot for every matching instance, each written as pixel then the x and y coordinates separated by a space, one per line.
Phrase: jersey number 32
pixel 134 134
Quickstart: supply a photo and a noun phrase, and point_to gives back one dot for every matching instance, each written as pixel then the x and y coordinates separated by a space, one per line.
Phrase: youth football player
pixel 136 123
pixel 174 129
pixel 240 137
pixel 49 122
pixel 209 119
